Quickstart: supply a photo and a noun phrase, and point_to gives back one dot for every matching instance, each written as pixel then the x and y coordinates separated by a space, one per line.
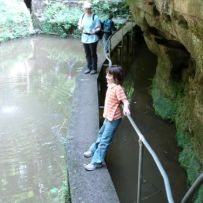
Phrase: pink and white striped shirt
pixel 115 95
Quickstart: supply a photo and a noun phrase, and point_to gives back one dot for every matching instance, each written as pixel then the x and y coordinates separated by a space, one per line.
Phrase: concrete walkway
pixel 95 186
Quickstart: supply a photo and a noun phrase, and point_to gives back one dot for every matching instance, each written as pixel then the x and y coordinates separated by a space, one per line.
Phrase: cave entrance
pixel 182 64
pixel 28 4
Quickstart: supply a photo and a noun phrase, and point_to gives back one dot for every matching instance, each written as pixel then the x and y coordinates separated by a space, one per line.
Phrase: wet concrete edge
pixel 94 186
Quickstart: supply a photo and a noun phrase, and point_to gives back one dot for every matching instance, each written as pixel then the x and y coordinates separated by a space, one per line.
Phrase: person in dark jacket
pixel 108 29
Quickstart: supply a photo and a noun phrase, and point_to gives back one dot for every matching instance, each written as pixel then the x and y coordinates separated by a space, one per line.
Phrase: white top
pixel 89 25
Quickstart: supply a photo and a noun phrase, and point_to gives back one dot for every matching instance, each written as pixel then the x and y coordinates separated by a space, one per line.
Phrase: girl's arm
pixel 126 110
pixel 122 97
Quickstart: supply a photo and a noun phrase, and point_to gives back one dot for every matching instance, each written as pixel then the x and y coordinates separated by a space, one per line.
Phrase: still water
pixel 37 80
pixel 122 159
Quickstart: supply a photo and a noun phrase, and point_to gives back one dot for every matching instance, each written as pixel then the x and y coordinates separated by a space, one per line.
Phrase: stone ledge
pixel 95 186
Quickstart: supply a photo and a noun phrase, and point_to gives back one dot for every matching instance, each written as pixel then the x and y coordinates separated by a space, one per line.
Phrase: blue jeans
pixel 105 40
pixel 105 137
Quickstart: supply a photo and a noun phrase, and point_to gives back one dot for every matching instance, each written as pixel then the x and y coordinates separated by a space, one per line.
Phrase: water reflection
pixel 37 80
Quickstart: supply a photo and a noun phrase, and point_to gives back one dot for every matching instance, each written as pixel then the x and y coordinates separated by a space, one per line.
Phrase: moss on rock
pixel 163 105
pixel 175 36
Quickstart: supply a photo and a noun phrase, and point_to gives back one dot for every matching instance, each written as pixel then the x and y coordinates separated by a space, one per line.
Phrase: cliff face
pixel 173 30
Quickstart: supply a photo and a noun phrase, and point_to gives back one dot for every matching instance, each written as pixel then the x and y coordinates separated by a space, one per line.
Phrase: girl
pixel 115 96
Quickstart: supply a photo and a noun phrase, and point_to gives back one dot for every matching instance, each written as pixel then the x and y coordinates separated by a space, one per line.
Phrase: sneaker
pixel 87 71
pixel 88 154
pixel 93 72
pixel 92 167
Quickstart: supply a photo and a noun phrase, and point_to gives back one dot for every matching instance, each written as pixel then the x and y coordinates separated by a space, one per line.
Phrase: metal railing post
pixel 156 160
pixel 193 189
pixel 142 142
pixel 140 166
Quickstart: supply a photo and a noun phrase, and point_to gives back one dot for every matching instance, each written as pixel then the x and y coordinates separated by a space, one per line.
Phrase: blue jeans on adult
pixel 106 42
pixel 105 137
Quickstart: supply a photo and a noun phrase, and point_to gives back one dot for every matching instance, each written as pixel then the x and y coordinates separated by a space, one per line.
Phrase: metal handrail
pixel 151 151
pixel 195 186
pixel 156 160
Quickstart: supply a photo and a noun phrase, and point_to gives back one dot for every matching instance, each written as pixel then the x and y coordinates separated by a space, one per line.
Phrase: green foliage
pixel 199 195
pixel 188 158
pixel 120 10
pixel 60 19
pixel 183 139
pixel 128 85
pixel 103 8
pixel 180 110
pixel 183 116
pixel 15 20
pixel 190 162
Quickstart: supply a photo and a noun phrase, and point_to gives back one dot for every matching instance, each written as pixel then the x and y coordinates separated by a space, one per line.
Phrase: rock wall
pixel 173 30
pixel 38 6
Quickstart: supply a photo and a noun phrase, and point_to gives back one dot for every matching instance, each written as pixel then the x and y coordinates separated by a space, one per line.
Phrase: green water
pixel 37 80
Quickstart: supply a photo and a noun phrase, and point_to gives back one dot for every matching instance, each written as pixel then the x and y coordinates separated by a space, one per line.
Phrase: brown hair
pixel 117 73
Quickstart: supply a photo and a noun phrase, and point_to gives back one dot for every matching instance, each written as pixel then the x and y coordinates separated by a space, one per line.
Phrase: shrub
pixel 15 20
pixel 62 20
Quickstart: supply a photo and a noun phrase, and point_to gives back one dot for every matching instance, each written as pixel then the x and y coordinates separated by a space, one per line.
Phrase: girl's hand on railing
pixel 126 110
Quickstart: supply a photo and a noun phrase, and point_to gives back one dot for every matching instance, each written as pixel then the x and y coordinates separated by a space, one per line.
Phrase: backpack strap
pixel 93 16
pixel 84 15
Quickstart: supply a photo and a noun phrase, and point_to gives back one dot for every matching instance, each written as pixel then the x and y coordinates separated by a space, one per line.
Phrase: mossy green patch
pixel 174 101
pixel 199 195
pixel 188 158
pixel 163 106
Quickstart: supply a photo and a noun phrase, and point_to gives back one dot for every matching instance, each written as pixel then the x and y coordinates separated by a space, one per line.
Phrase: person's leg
pixel 93 147
pixel 93 48
pixel 108 43
pixel 105 140
pixel 105 41
pixel 88 57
